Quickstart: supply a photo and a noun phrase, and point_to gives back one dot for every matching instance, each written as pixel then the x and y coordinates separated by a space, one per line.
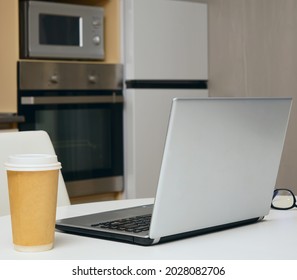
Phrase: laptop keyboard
pixel 134 224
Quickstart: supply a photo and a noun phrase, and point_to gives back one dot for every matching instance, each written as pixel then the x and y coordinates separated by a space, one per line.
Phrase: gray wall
pixel 253 52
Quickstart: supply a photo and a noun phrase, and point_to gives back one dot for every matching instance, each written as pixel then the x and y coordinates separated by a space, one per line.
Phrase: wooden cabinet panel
pixel 252 52
pixel 9 53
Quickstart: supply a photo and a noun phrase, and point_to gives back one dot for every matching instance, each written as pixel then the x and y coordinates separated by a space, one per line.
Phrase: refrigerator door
pixel 165 39
pixel 146 118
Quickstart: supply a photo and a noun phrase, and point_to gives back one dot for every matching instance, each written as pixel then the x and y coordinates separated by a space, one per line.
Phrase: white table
pixel 273 238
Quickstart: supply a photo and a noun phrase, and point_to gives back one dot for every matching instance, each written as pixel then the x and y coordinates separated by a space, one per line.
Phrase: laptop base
pixel 146 241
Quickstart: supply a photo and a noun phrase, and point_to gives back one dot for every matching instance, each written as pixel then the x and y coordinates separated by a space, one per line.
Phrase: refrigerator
pixel 165 56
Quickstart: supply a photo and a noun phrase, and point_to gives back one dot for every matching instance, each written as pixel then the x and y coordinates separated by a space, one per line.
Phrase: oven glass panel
pixel 59 30
pixel 80 146
pixel 87 138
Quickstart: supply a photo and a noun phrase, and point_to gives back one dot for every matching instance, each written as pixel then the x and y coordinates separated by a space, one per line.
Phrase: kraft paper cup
pixel 33 185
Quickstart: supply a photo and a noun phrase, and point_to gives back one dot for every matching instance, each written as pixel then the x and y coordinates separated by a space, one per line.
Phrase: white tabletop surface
pixel 273 238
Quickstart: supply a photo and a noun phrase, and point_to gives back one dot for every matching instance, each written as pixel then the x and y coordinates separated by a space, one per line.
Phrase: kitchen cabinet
pixel 8 55
pixel 252 53
pixel 9 47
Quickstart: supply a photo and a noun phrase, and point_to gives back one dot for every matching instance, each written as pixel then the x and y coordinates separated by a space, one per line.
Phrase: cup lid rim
pixel 32 161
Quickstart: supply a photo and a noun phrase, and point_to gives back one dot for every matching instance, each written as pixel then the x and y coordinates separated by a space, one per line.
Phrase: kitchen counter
pixel 9 121
pixel 11 118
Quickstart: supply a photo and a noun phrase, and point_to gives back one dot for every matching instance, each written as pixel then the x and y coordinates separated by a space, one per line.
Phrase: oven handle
pixel 47 100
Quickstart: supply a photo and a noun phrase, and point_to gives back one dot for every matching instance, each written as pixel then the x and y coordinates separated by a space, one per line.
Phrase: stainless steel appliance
pixel 56 30
pixel 80 105
pixel 174 65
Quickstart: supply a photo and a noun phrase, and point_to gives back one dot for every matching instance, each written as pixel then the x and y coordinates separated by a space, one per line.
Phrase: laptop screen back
pixel 220 162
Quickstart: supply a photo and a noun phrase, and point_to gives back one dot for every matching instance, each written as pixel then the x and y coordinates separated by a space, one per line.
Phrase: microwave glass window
pixel 59 30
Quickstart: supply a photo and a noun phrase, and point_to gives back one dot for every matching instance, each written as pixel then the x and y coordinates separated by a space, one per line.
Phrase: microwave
pixel 61 31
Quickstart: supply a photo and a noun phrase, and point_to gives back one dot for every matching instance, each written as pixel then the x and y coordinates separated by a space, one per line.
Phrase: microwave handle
pixel 59 100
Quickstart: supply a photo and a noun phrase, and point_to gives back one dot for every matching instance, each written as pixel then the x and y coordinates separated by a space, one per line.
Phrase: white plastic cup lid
pixel 32 162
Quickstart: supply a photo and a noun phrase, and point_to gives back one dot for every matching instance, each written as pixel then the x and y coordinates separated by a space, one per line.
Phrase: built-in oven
pixel 80 105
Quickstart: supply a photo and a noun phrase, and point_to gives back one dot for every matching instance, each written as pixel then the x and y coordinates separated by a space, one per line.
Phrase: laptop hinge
pixel 156 240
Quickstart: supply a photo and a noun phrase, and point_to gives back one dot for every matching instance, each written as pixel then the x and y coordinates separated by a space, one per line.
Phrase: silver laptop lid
pixel 220 162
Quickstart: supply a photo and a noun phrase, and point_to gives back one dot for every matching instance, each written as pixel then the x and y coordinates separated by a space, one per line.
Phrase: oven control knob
pixel 96 40
pixel 54 79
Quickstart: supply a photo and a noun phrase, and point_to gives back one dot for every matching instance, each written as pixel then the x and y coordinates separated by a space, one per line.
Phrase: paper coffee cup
pixel 33 185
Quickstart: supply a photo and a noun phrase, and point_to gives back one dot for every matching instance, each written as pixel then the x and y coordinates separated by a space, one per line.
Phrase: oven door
pixel 87 133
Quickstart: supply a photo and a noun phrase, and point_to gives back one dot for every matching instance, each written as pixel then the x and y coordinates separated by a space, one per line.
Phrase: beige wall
pixel 253 52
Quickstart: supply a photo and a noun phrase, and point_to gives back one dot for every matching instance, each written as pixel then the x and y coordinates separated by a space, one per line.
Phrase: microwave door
pixel 62 31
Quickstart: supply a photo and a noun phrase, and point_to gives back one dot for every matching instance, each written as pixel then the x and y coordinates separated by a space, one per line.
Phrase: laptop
pixel 219 169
